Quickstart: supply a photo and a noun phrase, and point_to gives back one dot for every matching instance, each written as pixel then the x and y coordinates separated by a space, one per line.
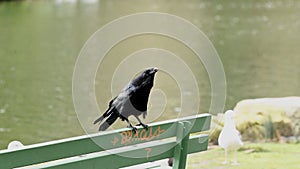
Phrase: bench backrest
pixel 118 148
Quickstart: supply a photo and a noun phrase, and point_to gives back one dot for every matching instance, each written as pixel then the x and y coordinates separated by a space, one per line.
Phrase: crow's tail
pixel 99 120
pixel 106 114
pixel 111 119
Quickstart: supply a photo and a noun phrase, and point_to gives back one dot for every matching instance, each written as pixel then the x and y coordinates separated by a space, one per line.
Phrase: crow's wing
pixel 133 97
pixel 120 101
pixel 139 99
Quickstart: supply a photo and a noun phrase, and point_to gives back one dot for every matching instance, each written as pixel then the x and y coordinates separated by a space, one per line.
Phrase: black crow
pixel 132 100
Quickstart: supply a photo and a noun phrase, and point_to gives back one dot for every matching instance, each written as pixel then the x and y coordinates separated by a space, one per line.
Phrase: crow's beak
pixel 155 70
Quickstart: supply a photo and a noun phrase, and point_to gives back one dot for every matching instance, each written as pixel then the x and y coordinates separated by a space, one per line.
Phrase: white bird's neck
pixel 229 123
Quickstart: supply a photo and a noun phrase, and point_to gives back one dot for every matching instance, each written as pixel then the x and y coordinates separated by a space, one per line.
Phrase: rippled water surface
pixel 257 41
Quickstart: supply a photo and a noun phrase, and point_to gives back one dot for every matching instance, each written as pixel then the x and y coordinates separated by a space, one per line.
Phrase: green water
pixel 257 41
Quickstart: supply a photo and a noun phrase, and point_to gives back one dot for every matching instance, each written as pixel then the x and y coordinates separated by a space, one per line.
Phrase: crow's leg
pixel 130 125
pixel 145 126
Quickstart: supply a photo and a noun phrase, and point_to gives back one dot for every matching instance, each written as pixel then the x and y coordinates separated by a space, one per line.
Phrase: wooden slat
pixel 64 148
pixel 122 157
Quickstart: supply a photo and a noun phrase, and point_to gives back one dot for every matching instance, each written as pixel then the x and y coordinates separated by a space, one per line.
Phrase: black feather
pixel 109 121
pixel 132 100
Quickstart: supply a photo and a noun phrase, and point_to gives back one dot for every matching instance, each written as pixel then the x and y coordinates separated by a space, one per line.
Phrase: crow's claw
pixel 145 126
pixel 134 129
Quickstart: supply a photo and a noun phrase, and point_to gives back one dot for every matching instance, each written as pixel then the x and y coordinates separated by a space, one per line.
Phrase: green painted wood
pixel 75 146
pixel 121 157
pixel 198 143
pixel 178 147
pixel 185 144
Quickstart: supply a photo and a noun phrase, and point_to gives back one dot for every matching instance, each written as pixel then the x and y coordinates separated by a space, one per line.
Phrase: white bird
pixel 14 145
pixel 230 138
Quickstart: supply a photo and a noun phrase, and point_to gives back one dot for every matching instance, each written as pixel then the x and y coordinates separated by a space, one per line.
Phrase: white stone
pixel 14 145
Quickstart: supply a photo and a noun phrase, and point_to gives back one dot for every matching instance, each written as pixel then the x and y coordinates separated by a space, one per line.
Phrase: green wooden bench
pixel 116 149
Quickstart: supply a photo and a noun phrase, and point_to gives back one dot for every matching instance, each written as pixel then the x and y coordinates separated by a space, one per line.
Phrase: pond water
pixel 257 41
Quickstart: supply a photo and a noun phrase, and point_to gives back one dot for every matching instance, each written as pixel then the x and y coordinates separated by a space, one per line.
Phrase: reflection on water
pixel 257 41
pixel 76 1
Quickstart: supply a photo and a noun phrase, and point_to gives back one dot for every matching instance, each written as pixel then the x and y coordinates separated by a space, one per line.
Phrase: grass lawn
pixel 258 156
